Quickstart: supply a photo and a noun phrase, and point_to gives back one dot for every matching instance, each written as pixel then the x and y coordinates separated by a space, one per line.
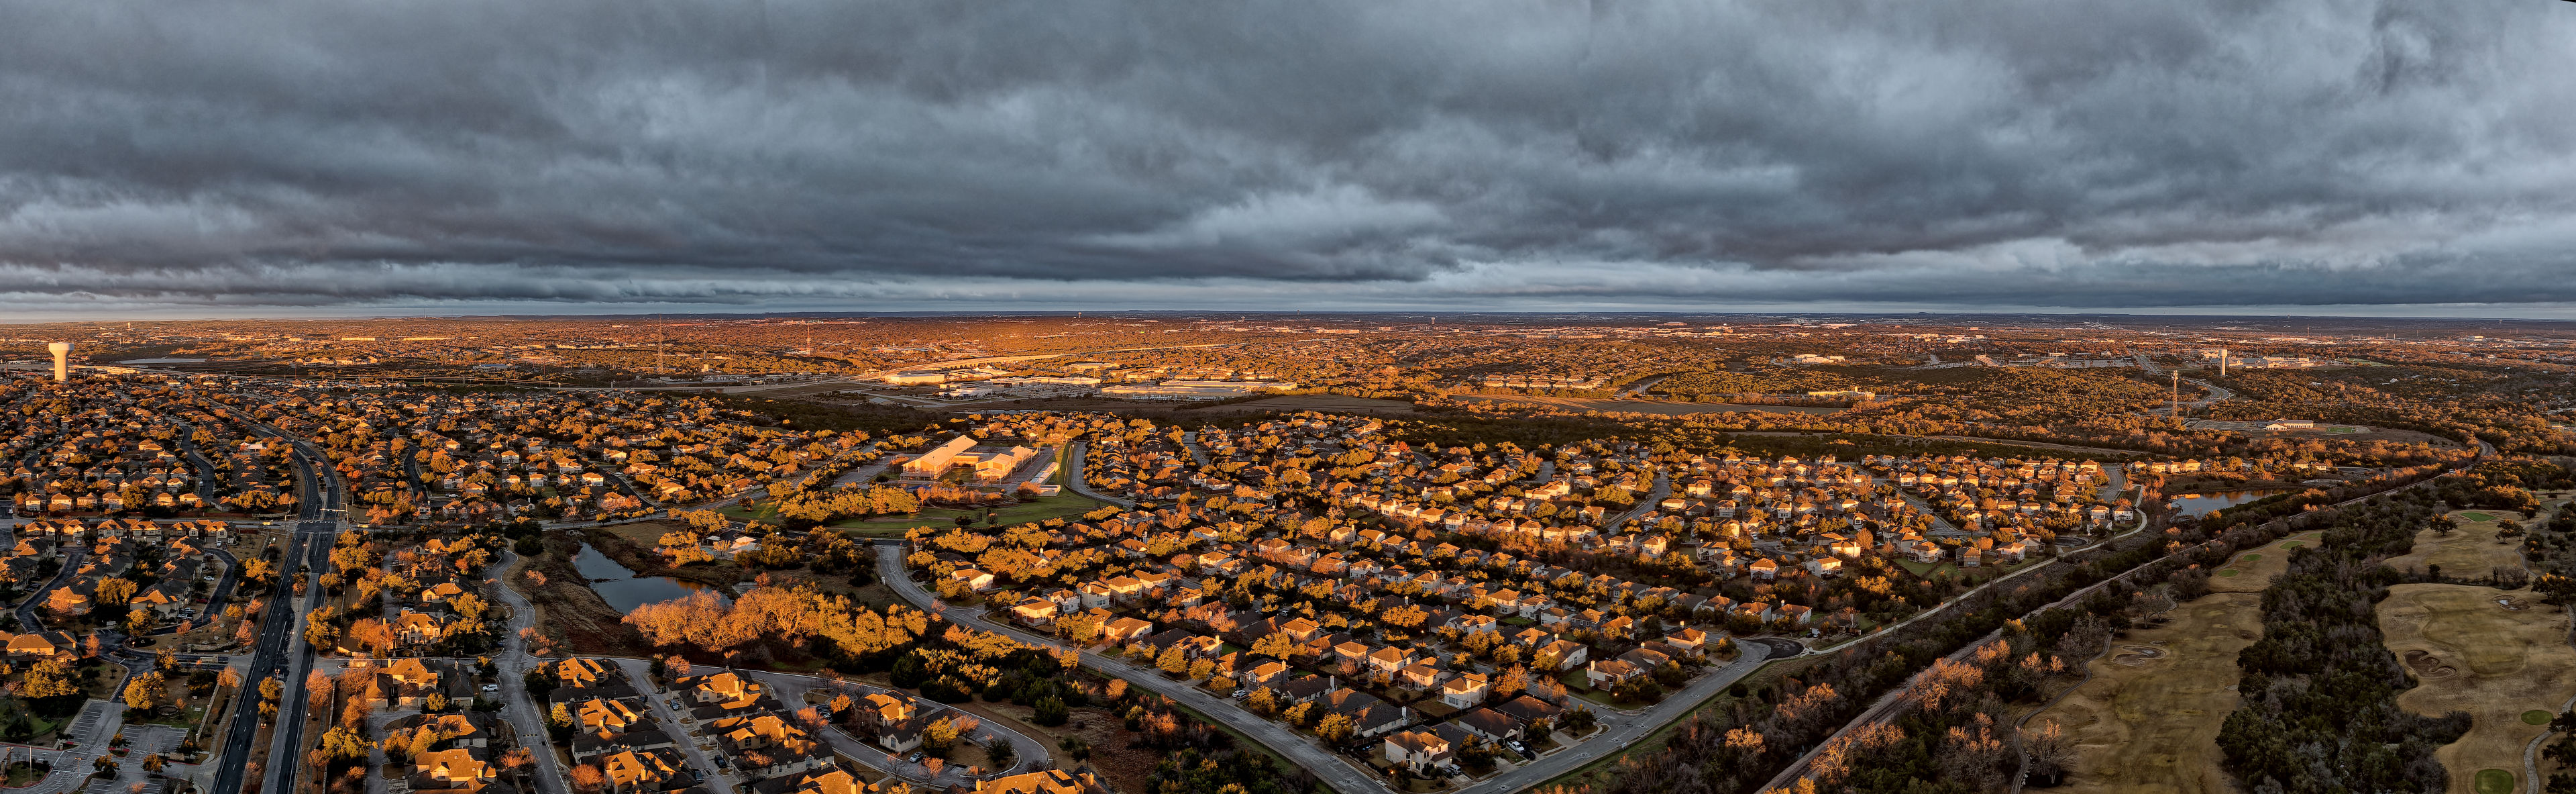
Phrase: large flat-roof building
pixel 991 463
pixel 1195 389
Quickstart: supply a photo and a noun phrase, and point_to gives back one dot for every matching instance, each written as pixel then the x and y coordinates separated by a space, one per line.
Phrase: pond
pixel 623 590
pixel 2207 503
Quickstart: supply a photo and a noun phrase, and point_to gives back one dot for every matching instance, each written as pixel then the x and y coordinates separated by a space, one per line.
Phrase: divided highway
pixel 280 651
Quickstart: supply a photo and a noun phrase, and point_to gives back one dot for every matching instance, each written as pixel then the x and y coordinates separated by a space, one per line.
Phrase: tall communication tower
pixel 2176 400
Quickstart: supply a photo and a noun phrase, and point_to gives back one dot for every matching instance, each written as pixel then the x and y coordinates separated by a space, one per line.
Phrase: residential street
pixel 790 689
pixel 1333 768
pixel 514 661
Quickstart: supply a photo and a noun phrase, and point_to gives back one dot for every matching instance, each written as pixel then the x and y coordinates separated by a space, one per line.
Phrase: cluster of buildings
pixel 1532 381
pixel 1999 509
pixel 420 456
pixel 1177 390
pixel 146 445
pixel 987 464
pixel 1401 633
pixel 164 568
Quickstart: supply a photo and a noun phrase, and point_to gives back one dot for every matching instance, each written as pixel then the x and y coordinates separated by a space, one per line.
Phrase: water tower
pixel 62 360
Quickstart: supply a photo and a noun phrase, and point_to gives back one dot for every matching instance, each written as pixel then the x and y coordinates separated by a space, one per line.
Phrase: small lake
pixel 623 590
pixel 2207 503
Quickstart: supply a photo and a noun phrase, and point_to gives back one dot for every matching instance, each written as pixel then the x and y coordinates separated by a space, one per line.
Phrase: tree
pixel 909 672
pixel 1277 645
pixel 145 691
pixel 586 778
pixel 1261 701
pixel 343 743
pixel 48 678
pixel 1579 720
pixel 1002 754
pixel 320 634
pixel 1512 680
pixel 1172 661
pixel 1335 728
pixel 114 592
pixel 469 606
pixel 1051 711
pixel 941 735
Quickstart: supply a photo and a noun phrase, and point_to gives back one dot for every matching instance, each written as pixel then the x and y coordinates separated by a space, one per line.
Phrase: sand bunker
pixel 2496 664
pixel 2147 722
pixel 2134 655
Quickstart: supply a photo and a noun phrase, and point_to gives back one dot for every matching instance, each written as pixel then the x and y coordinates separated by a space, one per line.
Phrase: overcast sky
pixel 408 156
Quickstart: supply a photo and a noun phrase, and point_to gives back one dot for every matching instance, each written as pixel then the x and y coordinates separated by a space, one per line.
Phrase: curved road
pixel 514 663
pixel 1331 767
pixel 1080 482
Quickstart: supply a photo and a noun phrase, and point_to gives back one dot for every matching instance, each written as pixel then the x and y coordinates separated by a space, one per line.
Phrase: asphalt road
pixel 1331 767
pixel 1076 482
pixel 1619 730
pixel 28 620
pixel 519 708
pixel 1653 496
pixel 790 689
pixel 280 650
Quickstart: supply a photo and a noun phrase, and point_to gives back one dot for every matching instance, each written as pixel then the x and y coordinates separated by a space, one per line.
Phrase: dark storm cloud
pixel 2034 153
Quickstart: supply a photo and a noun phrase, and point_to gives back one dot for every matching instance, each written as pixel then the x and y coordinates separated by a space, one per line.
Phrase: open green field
pixel 2495 781
pixel 2497 655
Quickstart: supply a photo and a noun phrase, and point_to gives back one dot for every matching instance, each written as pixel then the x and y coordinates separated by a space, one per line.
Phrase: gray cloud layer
pixel 2030 152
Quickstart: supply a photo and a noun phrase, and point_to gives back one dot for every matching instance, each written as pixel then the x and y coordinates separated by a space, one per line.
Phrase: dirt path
pixel 2146 719
pixel 2492 653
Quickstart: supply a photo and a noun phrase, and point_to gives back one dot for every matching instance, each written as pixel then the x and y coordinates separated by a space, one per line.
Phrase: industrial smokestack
pixel 62 360
pixel 2222 362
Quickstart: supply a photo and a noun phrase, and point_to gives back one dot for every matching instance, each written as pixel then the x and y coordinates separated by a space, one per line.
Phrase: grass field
pixel 2473 550
pixel 2495 781
pixel 2469 653
pixel 2147 722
